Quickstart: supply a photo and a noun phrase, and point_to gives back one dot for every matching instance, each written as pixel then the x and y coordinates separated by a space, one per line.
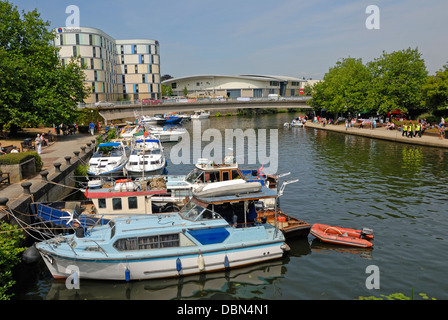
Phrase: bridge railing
pixel 182 100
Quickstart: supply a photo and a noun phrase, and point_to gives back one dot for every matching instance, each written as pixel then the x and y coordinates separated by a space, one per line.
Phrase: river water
pixel 398 190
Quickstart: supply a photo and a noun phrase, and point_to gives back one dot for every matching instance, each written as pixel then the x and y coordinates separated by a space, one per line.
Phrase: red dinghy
pixel 344 236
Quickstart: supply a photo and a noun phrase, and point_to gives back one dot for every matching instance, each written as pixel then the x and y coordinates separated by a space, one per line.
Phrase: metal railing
pixel 191 101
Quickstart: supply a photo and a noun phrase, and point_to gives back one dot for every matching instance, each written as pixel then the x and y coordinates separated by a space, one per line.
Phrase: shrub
pixel 16 158
pixel 10 256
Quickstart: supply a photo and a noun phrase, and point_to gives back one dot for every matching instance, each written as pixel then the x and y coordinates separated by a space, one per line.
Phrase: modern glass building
pixel 115 69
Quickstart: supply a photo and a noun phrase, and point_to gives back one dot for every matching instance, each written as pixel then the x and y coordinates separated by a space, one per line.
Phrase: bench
pixel 7 149
pixel 4 178
pixel 28 146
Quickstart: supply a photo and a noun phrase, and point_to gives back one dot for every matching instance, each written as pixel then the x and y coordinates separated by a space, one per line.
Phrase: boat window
pixel 225 175
pixel 196 211
pixel 148 242
pixel 212 176
pixel 132 203
pixel 236 175
pixel 116 204
pixel 102 203
pixel 115 153
pixel 195 176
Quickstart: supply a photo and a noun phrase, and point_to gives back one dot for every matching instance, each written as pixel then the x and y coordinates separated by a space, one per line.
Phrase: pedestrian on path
pixel 92 128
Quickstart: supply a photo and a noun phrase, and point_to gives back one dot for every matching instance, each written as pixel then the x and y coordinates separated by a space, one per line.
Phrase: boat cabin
pixel 123 199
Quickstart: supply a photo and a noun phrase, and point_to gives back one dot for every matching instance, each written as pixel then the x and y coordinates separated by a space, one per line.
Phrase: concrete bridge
pixel 127 111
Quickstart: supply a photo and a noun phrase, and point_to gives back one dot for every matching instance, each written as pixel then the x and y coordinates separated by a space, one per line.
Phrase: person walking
pixel 92 128
pixel 405 130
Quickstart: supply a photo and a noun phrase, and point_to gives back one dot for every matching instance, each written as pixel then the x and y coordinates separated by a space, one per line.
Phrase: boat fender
pixel 31 255
pixel 79 232
pixel 127 275
pixel 201 263
pixel 226 262
pixel 178 265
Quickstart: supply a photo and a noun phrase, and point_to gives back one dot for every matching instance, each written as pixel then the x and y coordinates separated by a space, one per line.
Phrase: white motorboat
pixel 200 114
pixel 166 134
pixel 147 158
pixel 157 120
pixel 108 160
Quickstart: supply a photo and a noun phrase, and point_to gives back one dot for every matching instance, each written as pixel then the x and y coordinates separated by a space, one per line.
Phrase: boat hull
pixel 139 173
pixel 153 267
pixel 340 236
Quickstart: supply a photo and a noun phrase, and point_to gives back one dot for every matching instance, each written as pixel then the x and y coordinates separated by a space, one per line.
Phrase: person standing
pixel 410 133
pixel 405 130
pixel 38 142
pixel 92 128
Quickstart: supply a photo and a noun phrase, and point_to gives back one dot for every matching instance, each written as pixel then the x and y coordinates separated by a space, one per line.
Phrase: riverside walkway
pixel 56 152
pixel 428 140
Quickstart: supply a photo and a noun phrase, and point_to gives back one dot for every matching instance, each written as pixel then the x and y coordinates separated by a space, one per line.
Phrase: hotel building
pixel 115 69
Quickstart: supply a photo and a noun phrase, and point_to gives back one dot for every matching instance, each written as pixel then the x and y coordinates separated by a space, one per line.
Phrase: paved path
pixel 56 152
pixel 382 133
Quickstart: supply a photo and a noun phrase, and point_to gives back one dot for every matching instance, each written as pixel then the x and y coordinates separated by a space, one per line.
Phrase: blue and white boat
pixel 108 160
pixel 208 234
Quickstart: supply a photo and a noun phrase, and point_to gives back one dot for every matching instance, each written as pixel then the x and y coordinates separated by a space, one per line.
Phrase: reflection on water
pixel 232 284
pixel 398 190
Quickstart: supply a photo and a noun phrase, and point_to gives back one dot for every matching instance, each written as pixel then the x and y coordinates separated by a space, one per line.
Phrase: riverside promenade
pixel 428 140
pixel 74 146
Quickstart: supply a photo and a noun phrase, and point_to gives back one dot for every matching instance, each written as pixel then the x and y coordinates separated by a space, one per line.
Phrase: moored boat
pixel 108 160
pixel 343 236
pixel 200 114
pixel 197 239
pixel 146 158
pixel 157 120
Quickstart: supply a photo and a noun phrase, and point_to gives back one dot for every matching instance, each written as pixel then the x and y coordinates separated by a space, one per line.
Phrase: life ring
pixel 123 180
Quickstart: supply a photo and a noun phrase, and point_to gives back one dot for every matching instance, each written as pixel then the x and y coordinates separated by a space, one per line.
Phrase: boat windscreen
pixel 193 175
pixel 195 210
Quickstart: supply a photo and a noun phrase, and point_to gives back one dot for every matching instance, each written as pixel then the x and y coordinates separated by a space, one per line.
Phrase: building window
pixel 90 40
pixel 77 38
pixel 136 68
pixel 75 52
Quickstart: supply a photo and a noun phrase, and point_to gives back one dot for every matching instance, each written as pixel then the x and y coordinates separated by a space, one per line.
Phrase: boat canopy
pixel 109 144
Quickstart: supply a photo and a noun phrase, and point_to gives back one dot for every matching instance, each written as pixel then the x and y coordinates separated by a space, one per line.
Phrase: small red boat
pixel 336 235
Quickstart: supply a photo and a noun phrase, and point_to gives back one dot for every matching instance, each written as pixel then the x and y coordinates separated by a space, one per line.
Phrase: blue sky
pixel 283 37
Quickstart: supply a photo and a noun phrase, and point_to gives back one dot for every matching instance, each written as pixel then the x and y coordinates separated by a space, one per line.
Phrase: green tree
pixel 397 81
pixel 435 92
pixel 35 88
pixel 344 87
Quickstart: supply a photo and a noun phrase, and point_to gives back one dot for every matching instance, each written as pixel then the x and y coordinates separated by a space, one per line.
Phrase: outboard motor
pixel 365 232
